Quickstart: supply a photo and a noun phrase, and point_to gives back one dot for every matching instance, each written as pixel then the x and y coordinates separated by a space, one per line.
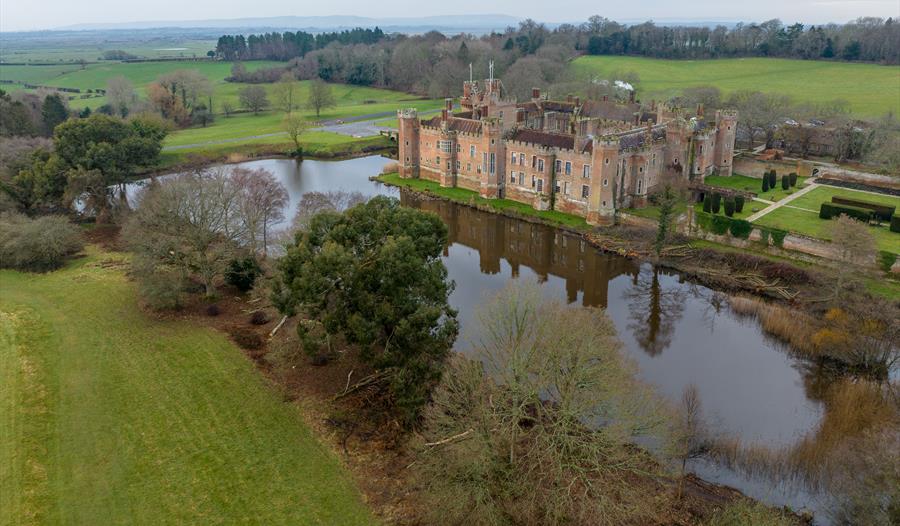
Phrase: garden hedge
pixel 881 212
pixel 830 210
pixel 895 224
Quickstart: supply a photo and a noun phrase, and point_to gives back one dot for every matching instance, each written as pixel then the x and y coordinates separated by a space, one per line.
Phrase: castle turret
pixel 408 143
pixel 678 142
pixel 726 126
pixel 601 209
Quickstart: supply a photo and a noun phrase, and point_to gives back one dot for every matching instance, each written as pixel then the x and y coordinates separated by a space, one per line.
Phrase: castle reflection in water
pixel 545 250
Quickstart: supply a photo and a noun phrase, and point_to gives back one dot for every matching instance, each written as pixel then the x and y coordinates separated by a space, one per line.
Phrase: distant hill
pixel 474 23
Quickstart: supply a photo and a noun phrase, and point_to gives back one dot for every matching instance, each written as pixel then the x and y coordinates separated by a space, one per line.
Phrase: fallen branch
pixel 449 439
pixel 372 379
pixel 283 319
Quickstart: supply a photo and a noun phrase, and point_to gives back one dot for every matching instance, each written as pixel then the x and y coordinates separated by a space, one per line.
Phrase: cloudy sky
pixel 18 15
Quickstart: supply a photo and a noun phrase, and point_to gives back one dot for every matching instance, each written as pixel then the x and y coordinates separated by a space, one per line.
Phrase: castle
pixel 588 158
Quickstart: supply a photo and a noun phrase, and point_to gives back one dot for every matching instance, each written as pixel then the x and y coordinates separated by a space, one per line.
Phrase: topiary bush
pixel 707 204
pixel 830 210
pixel 778 237
pixel 739 203
pixel 37 245
pixel 242 273
pixel 895 224
pixel 785 182
pixel 765 183
pixel 792 177
pixel 259 318
pixel 729 207
pixel 740 228
pixel 716 202
pixel 880 212
pixel 773 178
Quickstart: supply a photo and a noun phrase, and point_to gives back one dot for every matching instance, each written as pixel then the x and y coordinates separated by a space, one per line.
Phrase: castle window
pixel 586 171
pixel 522 178
pixel 540 185
pixel 458 165
pixel 445 146
pixel 541 165
pixel 640 185
pixel 566 187
pixel 407 159
pixel 472 151
pixel 606 161
pixel 512 176
pixel 585 191
pixel 701 148
pixel 532 181
pixel 493 162
pixel 606 182
pixel 468 167
pixel 512 158
pixel 407 143
pixel 437 161
pixel 533 161
pixel 568 168
pixel 492 142
pixel 641 169
pixel 458 147
pixel 558 166
pixel 604 203
pixel 522 159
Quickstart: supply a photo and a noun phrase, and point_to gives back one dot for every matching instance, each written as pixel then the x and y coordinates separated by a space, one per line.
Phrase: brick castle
pixel 588 158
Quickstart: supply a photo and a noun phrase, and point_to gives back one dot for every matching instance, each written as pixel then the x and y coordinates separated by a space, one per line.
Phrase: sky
pixel 19 15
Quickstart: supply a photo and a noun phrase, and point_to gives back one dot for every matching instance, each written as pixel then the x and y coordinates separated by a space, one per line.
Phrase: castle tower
pixel 723 156
pixel 493 157
pixel 408 143
pixel 601 208
pixel 678 142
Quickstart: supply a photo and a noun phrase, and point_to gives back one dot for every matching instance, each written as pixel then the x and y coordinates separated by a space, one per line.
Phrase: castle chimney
pixel 535 93
pixel 578 101
pixel 568 98
pixel 700 109
pixel 444 114
pixel 448 104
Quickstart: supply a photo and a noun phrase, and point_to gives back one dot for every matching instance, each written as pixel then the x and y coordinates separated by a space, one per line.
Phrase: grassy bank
pixel 462 195
pixel 802 80
pixel 109 416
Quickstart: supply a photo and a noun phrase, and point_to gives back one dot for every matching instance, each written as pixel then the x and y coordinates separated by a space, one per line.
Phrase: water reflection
pixel 653 311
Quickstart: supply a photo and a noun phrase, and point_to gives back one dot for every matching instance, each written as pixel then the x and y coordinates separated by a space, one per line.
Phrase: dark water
pixel 678 333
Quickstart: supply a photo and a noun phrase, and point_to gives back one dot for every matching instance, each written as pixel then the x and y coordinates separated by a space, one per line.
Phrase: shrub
pixel 729 207
pixel 160 287
pixel 740 228
pixel 213 310
pixel 716 202
pixel 830 210
pixel 259 318
pixel 886 260
pixel 881 212
pixel 246 338
pixel 895 223
pixel 773 178
pixel 743 512
pixel 38 245
pixel 765 183
pixel 739 203
pixel 785 182
pixel 792 177
pixel 707 204
pixel 720 224
pixel 786 273
pixel 242 273
pixel 778 237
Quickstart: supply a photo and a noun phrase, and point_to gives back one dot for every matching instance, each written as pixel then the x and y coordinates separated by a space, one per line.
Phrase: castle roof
pixel 456 124
pixel 609 110
pixel 555 105
pixel 552 140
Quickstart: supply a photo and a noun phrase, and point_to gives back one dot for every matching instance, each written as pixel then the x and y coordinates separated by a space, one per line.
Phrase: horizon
pixel 64 16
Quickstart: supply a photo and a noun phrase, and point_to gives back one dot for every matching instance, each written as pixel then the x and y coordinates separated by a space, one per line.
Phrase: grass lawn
pixel 467 196
pixel 110 416
pixel 802 215
pixel 870 89
pixel 652 212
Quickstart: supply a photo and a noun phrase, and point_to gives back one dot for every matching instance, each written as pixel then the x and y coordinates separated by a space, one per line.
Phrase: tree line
pixel 288 45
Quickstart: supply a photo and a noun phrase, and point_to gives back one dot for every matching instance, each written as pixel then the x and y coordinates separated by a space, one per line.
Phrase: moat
pixel 677 332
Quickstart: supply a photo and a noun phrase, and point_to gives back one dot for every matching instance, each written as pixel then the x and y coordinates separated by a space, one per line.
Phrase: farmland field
pixel 111 416
pixel 802 80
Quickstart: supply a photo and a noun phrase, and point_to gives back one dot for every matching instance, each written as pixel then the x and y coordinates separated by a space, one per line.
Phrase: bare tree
pixel 254 98
pixel 260 202
pixel 227 107
pixel 312 203
pixel 120 95
pixel 189 223
pixel 855 245
pixel 760 113
pixel 285 92
pixel 190 86
pixel 295 126
pixel 537 428
pixel 320 96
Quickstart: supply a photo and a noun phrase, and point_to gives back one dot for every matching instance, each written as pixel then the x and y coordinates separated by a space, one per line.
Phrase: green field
pixel 802 215
pixel 871 90
pixel 91 48
pixel 110 416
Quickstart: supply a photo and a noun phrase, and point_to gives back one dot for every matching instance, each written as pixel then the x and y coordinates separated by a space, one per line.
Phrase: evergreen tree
pixel 53 113
pixel 716 202
pixel 765 183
